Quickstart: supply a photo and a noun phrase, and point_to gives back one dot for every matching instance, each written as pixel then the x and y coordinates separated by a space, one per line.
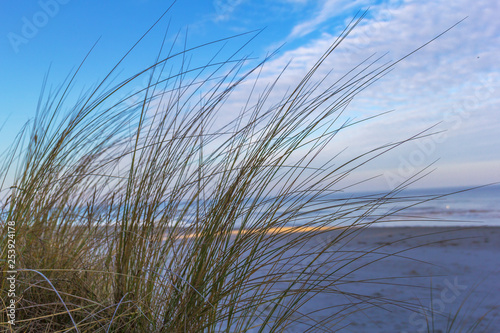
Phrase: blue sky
pixel 453 82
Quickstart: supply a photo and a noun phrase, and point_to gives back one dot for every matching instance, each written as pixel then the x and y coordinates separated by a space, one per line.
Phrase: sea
pixel 457 206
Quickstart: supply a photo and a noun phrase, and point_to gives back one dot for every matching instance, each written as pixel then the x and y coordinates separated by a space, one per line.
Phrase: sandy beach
pixel 395 273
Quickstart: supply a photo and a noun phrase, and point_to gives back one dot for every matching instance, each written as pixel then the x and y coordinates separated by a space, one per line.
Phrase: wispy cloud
pixel 224 8
pixel 455 81
pixel 325 11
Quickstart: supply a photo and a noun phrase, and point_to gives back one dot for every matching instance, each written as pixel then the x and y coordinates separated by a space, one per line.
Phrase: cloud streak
pixel 224 8
pixel 453 82
pixel 327 10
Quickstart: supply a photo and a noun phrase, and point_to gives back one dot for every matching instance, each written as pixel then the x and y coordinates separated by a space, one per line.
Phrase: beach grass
pixel 139 211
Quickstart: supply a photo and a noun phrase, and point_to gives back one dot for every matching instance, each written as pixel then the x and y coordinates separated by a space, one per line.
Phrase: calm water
pixel 475 207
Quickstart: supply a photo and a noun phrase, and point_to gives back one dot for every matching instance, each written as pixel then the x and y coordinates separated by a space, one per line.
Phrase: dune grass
pixel 137 211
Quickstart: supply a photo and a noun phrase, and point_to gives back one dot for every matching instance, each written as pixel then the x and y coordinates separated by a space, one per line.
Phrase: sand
pixel 461 264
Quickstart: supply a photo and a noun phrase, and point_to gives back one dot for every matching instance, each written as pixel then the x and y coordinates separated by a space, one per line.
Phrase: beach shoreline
pixel 403 274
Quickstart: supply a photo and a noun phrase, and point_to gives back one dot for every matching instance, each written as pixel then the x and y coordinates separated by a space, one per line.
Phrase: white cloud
pixel 327 10
pixel 455 80
pixel 224 8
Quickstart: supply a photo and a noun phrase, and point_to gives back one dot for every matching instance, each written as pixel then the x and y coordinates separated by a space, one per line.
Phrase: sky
pixel 452 83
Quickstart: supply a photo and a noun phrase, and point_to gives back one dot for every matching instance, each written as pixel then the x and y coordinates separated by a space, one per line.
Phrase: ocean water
pixel 422 207
pixel 463 207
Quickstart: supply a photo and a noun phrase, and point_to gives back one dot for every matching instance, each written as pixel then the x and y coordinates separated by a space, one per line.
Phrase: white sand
pixel 462 264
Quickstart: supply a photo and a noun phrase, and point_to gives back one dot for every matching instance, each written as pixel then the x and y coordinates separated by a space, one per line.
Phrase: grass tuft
pixel 144 212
